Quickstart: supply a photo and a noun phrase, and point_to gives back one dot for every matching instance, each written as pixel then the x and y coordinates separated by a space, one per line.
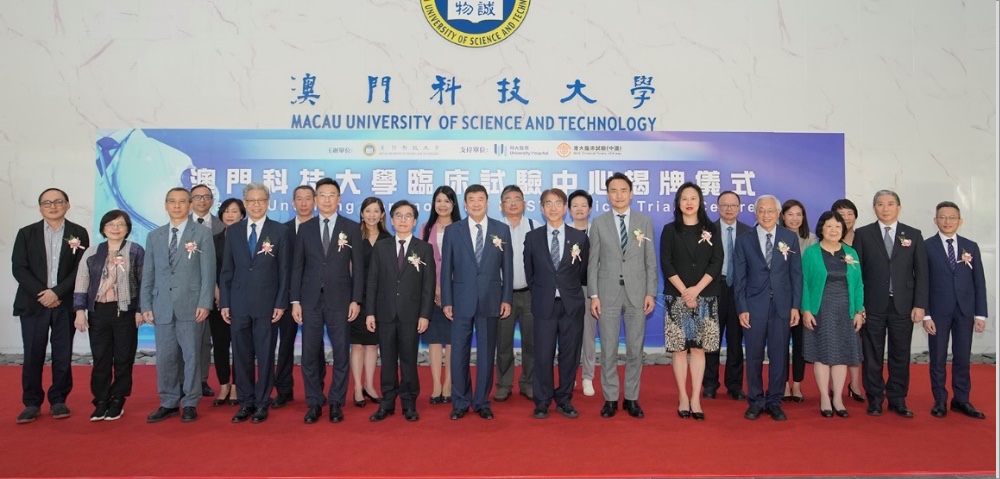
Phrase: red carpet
pixel 514 444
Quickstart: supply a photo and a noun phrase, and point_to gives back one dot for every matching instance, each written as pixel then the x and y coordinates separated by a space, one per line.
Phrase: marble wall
pixel 911 83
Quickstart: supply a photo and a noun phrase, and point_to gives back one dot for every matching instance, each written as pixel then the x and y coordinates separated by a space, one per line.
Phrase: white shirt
pixel 762 238
pixel 406 243
pixel 260 227
pixel 180 233
pixel 517 242
pixel 333 223
pixel 473 231
pixel 628 219
pixel 207 218
pixel 548 241
pixel 892 230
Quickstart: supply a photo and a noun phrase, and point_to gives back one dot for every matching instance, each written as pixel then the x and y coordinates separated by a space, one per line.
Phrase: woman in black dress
pixel 230 212
pixel 849 212
pixel 364 343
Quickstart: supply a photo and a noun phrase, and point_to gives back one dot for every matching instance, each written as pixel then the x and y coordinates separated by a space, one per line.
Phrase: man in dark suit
pixel 304 200
pixel 894 271
pixel 729 323
pixel 555 266
pixel 477 271
pixel 327 286
pixel 177 292
pixel 401 282
pixel 956 307
pixel 253 295
pixel 767 282
pixel 44 261
pixel 202 201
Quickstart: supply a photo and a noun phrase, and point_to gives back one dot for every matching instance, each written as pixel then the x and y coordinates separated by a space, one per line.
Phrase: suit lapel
pixel 406 254
pixel 759 250
pixel 264 230
pixel 612 223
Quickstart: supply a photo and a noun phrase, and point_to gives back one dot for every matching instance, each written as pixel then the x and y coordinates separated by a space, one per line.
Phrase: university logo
pixel 475 23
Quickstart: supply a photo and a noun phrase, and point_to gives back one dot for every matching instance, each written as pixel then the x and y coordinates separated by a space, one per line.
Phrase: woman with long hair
pixel 793 216
pixel 364 343
pixel 438 335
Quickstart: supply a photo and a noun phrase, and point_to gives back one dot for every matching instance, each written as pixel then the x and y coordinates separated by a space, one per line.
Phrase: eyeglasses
pixel 255 201
pixel 728 206
pixel 201 197
pixel 402 217
pixel 948 218
pixel 513 201
pixel 768 212
pixel 51 203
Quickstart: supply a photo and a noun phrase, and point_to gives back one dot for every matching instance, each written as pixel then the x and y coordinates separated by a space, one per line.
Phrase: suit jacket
pixel 907 268
pixel 608 266
pixel 964 288
pixel 476 289
pixel 339 273
pixel 216 224
pixel 178 289
pixel 255 286
pixel 543 278
pixel 31 269
pixel 755 284
pixel 405 294
pixel 690 257
pixel 741 228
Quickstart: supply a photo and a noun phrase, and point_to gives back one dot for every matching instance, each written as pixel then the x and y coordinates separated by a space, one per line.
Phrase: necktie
pixel 768 250
pixel 887 239
pixel 201 221
pixel 401 256
pixel 554 249
pixel 252 244
pixel 623 235
pixel 172 249
pixel 729 255
pixel 479 244
pixel 326 235
pixel 951 254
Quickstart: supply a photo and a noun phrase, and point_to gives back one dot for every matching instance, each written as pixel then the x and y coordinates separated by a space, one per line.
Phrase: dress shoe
pixel 372 398
pixel 842 413
pixel 609 409
pixel 260 415
pixel 540 412
pixel 753 412
pixel 411 415
pixel 281 400
pixel 313 414
pixel 826 412
pixel 683 414
pixel 901 409
pixel 116 407
pixel 336 415
pixel 797 398
pixel 486 413
pixel 446 399
pixel 633 409
pixel 776 413
pixel 874 409
pixel 59 411
pixel 853 395
pixel 189 414
pixel 207 390
pixel 218 402
pixel 29 414
pixel 709 393
pixel 243 414
pixel 588 387
pixel 162 413
pixel 567 410
pixel 100 411
pixel 501 395
pixel 457 414
pixel 737 395
pixel 233 402
pixel 968 409
pixel 528 394
pixel 698 416
pixel 381 414
pixel 939 410
pixel 360 403
pixel 437 400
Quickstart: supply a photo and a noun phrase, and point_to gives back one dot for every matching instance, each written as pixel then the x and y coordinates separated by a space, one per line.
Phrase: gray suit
pixel 621 281
pixel 205 358
pixel 172 293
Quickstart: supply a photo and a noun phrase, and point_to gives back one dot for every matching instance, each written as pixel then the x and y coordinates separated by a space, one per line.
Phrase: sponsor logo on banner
pixel 563 150
pixel 500 149
pixel 368 149
pixel 475 24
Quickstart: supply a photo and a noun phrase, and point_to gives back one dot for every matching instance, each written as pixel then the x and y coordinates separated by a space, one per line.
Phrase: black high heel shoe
pixel 684 414
pixel 842 412
pixel 855 396
pixel 360 403
pixel 221 400
pixel 826 413
pixel 373 399
pixel 698 416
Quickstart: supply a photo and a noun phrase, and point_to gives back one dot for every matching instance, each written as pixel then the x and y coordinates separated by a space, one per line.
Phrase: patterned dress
pixel 685 328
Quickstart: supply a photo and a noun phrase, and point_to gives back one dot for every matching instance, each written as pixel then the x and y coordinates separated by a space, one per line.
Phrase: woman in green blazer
pixel 832 310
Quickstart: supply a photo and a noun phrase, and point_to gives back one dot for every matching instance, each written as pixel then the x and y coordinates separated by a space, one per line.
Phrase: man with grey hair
pixel 894 272
pixel 253 294
pixel 767 269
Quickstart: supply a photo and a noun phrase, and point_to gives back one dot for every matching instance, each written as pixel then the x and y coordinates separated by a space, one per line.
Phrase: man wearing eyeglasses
pixel 512 205
pixel 202 201
pixel 729 324
pixel 401 282
pixel 44 261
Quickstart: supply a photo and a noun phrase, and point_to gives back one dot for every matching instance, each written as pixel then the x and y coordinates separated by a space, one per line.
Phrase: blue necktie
pixel 479 244
pixel 172 249
pixel 623 235
pixel 554 249
pixel 729 256
pixel 253 239
pixel 768 250
pixel 951 254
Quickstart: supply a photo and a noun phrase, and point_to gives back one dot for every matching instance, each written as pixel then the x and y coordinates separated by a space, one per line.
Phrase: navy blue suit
pixel 769 294
pixel 252 287
pixel 325 284
pixel 956 297
pixel 557 320
pixel 475 292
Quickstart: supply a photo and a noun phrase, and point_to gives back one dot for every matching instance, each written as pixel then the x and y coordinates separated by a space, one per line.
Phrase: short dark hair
pixel 113 215
pixel 558 193
pixel 304 187
pixel 225 205
pixel 844 204
pixel 401 203
pixel 328 181
pixel 176 189
pixel 65 196
pixel 475 189
pixel 577 193
pixel 803 231
pixel 509 188
pixel 729 192
pixel 948 204
pixel 200 185
pixel 826 216
pixel 618 176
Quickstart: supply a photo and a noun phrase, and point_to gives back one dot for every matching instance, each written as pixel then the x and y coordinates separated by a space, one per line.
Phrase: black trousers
pixel 398 342
pixel 284 383
pixel 873 342
pixel 729 325
pixel 221 341
pixel 35 337
pixel 565 332
pixel 331 316
pixel 798 362
pixel 114 338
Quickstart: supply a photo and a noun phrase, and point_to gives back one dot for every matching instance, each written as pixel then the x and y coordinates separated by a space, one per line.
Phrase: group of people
pixel 240 280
